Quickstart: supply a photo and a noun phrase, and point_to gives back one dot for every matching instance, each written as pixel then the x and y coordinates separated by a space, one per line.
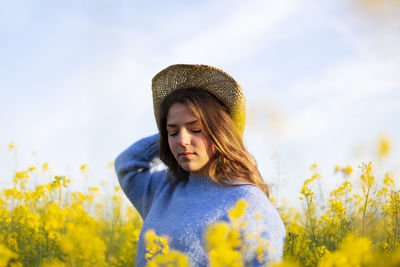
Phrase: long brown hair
pixel 231 161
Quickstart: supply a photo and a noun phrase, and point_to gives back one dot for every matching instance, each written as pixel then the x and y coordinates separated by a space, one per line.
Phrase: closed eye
pixel 175 133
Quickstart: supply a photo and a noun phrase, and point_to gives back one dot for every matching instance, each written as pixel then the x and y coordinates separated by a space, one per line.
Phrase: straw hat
pixel 212 79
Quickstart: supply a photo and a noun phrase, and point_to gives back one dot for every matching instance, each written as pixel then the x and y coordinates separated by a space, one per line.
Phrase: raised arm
pixel 138 180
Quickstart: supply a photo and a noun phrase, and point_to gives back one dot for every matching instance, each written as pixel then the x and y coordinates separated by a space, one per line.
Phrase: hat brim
pixel 212 79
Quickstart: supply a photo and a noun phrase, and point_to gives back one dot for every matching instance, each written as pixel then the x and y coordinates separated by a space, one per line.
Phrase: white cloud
pixel 343 94
pixel 236 35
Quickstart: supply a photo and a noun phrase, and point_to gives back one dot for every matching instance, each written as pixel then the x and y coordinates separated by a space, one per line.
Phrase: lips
pixel 186 154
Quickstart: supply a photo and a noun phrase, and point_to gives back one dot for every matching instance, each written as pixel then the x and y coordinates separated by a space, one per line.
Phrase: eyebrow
pixel 187 123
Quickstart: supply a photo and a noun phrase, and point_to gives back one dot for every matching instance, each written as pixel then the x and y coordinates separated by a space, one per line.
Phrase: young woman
pixel 200 113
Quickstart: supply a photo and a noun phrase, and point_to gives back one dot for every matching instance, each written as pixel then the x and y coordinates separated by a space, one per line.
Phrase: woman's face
pixel 190 147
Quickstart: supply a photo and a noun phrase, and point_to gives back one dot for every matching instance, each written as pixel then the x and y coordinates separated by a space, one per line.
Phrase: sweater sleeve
pixel 264 220
pixel 138 180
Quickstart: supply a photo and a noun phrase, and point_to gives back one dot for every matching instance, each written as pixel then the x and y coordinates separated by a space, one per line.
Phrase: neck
pixel 200 173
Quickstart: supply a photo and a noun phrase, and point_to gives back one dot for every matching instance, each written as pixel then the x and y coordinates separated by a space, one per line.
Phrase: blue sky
pixel 320 79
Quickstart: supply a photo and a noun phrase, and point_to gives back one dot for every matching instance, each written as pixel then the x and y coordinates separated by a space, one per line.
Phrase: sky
pixel 322 81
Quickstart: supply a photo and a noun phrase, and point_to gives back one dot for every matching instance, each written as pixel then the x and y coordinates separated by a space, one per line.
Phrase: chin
pixel 189 168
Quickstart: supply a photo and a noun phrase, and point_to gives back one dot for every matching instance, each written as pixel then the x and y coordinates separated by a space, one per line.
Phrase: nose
pixel 184 137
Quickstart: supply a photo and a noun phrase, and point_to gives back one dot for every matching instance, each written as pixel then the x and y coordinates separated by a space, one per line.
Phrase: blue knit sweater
pixel 184 212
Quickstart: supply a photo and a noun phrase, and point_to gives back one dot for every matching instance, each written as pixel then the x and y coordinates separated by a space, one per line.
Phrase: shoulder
pixel 258 204
pixel 260 217
pixel 263 219
pixel 251 194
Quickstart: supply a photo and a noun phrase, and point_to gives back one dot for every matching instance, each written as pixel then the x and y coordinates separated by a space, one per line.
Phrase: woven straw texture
pixel 212 79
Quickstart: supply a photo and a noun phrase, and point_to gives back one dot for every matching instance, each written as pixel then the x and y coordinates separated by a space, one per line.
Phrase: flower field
pixel 357 224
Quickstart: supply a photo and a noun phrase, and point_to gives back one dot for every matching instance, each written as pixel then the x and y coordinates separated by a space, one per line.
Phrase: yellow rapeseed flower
pixel 336 169
pixel 224 256
pixel 84 168
pixel 12 146
pixel 238 211
pixel 155 244
pixel 388 181
pixel 171 259
pixel 21 175
pixel 263 248
pixel 384 145
pixel 5 255
pixel 53 263
pixel 353 251
pixel 45 167
pixel 284 263
pixel 217 234
pixel 347 171
pixel 314 166
pixel 110 164
pixel 258 216
pixel 367 176
pixel 32 168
